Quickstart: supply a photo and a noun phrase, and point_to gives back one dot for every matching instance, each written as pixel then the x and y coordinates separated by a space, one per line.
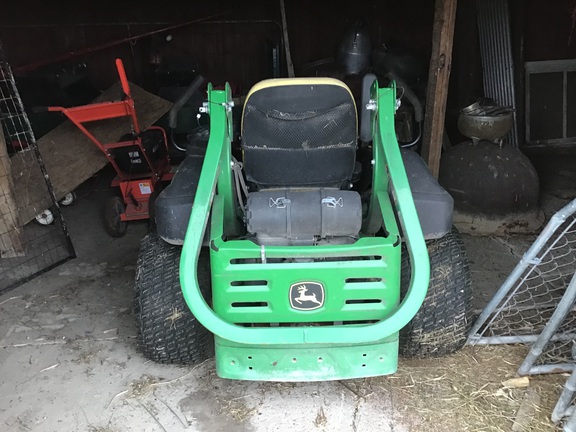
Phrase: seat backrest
pixel 299 132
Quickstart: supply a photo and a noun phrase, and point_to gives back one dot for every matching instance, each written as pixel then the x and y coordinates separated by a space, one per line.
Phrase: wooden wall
pixel 550 32
pixel 233 51
pixel 237 52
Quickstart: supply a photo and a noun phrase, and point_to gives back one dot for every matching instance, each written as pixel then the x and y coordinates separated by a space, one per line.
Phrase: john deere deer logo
pixel 306 295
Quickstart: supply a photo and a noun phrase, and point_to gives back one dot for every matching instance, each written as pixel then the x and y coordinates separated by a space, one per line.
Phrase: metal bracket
pixel 531 261
pixel 204 108
pixel 263 254
pixel 372 105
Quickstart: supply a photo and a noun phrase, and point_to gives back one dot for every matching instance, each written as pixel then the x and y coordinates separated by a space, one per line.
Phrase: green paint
pixel 255 294
pixel 306 362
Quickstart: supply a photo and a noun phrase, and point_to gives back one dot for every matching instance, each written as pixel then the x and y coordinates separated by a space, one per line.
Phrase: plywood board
pixel 10 236
pixel 70 157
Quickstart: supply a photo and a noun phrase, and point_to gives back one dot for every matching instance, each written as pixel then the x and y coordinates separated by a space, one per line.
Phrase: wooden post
pixel 10 237
pixel 518 35
pixel 289 64
pixel 438 76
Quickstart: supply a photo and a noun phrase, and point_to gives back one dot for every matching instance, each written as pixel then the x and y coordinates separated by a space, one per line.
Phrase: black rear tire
pixel 168 331
pixel 441 325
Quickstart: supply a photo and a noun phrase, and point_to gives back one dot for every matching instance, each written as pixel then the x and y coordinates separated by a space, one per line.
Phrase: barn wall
pixel 550 30
pixel 220 50
pixel 237 52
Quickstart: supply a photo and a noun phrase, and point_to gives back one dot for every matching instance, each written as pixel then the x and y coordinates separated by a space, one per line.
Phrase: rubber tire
pixel 158 298
pixel 442 324
pixel 114 226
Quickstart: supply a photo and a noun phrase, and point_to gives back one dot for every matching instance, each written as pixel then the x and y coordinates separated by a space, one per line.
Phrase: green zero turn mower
pixel 281 264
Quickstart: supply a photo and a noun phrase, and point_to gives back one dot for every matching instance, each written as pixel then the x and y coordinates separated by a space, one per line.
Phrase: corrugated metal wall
pixel 496 50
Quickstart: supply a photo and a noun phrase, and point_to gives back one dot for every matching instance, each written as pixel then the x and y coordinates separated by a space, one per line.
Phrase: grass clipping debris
pixel 474 390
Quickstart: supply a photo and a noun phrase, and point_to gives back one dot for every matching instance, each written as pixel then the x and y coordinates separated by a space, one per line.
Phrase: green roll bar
pixel 389 177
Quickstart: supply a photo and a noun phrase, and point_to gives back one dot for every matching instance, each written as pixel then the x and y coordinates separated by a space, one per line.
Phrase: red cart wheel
pixel 112 223
pixel 68 199
pixel 45 218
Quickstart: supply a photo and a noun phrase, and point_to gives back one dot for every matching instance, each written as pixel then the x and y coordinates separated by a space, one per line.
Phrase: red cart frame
pixel 135 188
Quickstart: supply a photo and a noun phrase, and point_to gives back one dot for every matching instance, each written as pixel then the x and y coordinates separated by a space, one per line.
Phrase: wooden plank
pixel 70 157
pixel 438 77
pixel 289 64
pixel 11 244
pixel 528 409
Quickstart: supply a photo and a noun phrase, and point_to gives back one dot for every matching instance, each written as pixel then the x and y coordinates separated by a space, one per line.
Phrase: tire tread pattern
pixel 442 324
pixel 167 330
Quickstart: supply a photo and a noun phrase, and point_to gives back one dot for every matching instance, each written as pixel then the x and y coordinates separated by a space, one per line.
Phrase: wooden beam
pixel 438 77
pixel 528 409
pixel 289 64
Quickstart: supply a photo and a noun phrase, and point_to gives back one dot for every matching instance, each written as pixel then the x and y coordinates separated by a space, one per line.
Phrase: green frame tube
pixel 389 180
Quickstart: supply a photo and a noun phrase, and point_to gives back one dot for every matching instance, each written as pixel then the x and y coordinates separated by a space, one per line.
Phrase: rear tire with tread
pixel 167 330
pixel 441 325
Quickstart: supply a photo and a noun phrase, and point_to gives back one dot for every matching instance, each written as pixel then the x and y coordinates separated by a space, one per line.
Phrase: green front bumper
pixel 304 362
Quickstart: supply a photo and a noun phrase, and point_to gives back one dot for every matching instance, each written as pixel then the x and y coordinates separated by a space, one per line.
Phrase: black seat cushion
pixel 301 134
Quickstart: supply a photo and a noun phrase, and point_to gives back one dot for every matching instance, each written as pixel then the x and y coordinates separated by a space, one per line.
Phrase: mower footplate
pixel 306 363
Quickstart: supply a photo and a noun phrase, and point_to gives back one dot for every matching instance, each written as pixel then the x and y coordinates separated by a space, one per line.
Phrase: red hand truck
pixel 153 162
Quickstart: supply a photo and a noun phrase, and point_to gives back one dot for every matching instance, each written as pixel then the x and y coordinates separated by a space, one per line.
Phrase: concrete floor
pixel 69 359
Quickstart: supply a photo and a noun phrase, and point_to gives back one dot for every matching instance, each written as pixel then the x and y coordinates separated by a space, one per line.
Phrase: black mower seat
pixel 299 132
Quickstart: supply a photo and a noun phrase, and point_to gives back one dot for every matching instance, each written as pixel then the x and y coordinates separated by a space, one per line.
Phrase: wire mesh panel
pixel 533 306
pixel 26 249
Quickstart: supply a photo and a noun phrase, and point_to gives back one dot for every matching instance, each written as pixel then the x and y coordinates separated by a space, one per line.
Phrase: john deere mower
pixel 281 264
